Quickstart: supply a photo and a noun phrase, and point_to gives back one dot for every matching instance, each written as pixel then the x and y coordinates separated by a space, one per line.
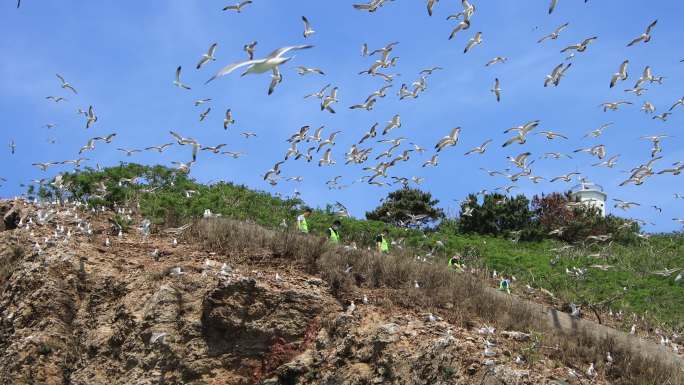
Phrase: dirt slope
pixel 74 311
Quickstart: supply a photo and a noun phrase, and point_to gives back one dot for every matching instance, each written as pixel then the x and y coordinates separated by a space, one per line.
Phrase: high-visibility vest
pixel 303 226
pixel 334 236
pixel 384 245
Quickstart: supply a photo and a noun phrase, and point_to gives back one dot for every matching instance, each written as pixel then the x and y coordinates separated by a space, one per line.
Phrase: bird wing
pixel 61 78
pixel 307 25
pixel 282 51
pixel 650 27
pixel 178 73
pixel 231 67
pixel 212 49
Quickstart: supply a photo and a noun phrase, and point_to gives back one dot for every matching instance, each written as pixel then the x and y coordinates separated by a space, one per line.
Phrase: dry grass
pixel 8 262
pixel 463 298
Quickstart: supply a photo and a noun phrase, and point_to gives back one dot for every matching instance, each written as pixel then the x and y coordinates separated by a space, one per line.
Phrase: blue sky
pixel 121 57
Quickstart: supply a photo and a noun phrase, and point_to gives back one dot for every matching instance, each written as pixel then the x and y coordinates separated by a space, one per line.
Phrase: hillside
pixel 255 305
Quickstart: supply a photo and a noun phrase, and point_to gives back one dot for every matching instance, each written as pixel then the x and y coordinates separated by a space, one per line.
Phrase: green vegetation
pixel 169 198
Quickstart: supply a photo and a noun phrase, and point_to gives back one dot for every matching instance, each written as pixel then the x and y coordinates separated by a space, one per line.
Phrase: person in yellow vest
pixel 455 263
pixel 333 233
pixel 302 226
pixel 381 242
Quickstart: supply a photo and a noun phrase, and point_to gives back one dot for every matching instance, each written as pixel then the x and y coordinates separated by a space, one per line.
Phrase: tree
pixel 407 207
pixel 558 216
pixel 498 214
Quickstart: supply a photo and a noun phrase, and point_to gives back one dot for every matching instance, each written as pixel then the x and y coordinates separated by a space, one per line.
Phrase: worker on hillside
pixel 302 226
pixel 333 233
pixel 455 263
pixel 381 242
pixel 505 285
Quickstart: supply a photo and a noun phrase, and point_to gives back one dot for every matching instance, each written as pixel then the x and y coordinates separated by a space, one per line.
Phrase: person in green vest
pixel 381 242
pixel 455 263
pixel 302 226
pixel 333 233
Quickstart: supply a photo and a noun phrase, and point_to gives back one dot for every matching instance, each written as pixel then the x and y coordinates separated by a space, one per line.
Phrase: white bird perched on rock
pixel 632 331
pixel 365 299
pixel 258 66
pixel 591 371
pixel 176 271
pixel 157 337
pixel 351 308
pixel 575 311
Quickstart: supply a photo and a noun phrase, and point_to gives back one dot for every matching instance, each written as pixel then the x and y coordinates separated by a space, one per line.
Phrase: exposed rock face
pixel 75 312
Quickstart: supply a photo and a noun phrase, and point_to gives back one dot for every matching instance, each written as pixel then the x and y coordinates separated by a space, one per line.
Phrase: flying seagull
pixel 237 7
pixel 258 66
pixel 308 31
pixel 554 35
pixel 177 82
pixel 646 36
pixel 449 140
pixel 207 57
pixel 497 89
pixel 66 85
pixel 620 75
pixel 475 40
pixel 250 48
pixel 228 120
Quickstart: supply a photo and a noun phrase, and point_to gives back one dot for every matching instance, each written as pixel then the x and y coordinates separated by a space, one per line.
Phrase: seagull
pixel 556 75
pixel 430 4
pixel 580 47
pixel 554 35
pixel 199 102
pixel 551 135
pixel 91 117
pixel 327 101
pixel 599 150
pixel 461 26
pixel 326 160
pixel 204 114
pixel 648 107
pixel 308 31
pixel 250 48
pixel 228 120
pixel 370 134
pixel 215 149
pixel 395 122
pixel 320 94
pixel 498 59
pixel 449 140
pixel 432 161
pixel 620 75
pixel 233 154
pixel 258 66
pixel 128 152
pixel 44 166
pixel 351 308
pixel 497 89
pixel 88 147
pixel 177 82
pixel 237 7
pixel 678 103
pixel 480 149
pixel 566 178
pixel 475 40
pixel 160 149
pixel 591 372
pixel 613 105
pixel 276 78
pixel 662 117
pixel 55 99
pixel 368 105
pixel 305 70
pixel 207 57
pixel 66 85
pixel 646 36
pixel 364 50
pixel 624 205
pixel 610 163
pixel 597 132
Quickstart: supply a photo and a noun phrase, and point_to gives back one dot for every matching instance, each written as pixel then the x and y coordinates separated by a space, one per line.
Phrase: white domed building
pixel 590 194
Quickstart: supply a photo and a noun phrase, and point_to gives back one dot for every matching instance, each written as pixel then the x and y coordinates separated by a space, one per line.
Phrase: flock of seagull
pixel 388 150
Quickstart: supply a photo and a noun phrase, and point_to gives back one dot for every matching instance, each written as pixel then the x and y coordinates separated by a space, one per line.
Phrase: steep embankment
pixel 74 311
